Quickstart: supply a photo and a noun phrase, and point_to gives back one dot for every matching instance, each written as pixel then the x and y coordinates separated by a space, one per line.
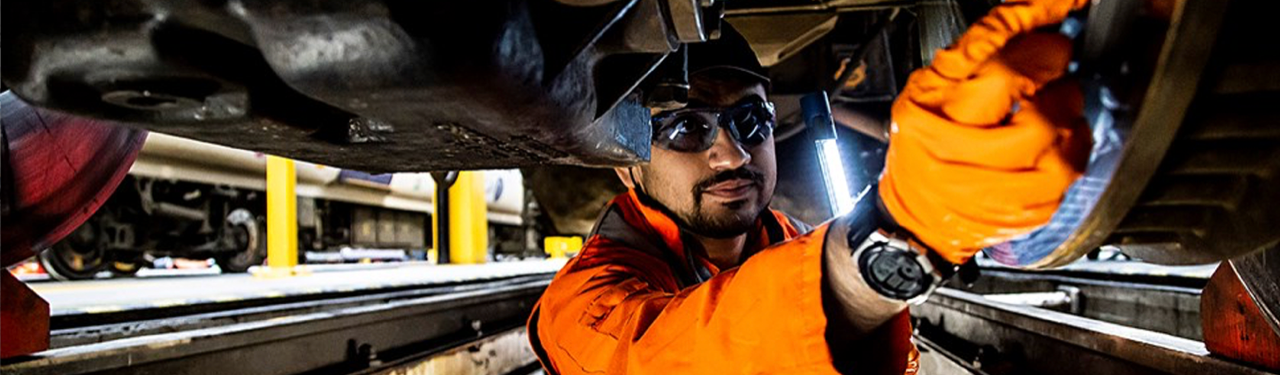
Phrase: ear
pixel 624 174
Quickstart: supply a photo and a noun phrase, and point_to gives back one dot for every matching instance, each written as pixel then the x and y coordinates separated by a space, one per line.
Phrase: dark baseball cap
pixel 730 52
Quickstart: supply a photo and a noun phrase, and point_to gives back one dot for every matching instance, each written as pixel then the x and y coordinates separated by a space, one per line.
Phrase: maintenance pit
pixel 1107 316
pixel 388 187
pixel 379 318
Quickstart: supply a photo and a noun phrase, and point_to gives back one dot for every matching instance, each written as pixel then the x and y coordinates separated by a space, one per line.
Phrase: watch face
pixel 895 273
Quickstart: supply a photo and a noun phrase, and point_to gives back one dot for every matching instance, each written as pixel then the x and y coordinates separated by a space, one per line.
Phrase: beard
pixel 735 219
pixel 727 225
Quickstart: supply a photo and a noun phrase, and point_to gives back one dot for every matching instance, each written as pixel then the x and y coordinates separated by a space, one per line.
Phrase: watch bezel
pixel 879 241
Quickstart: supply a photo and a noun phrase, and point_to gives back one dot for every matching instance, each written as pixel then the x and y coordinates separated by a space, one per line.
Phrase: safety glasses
pixel 696 129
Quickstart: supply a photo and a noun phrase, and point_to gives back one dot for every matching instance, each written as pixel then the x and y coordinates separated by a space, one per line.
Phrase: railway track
pixel 1009 322
pixel 1035 323
pixel 82 328
pixel 347 334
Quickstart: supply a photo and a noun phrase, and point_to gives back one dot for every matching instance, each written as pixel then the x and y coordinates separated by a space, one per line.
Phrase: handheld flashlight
pixel 817 117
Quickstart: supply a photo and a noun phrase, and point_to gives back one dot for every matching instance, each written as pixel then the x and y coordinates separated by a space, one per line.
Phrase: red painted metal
pixel 1233 326
pixel 24 318
pixel 58 169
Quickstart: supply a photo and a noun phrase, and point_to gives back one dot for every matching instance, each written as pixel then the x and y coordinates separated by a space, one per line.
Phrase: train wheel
pixel 249 238
pixel 125 269
pixel 58 169
pixel 79 256
pixel 125 264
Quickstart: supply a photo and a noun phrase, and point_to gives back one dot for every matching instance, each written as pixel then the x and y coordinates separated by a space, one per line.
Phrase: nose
pixel 726 153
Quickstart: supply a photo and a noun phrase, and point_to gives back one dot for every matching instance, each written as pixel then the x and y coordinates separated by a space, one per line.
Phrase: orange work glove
pixel 986 141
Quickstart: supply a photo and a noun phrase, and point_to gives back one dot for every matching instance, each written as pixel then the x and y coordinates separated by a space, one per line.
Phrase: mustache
pixel 741 173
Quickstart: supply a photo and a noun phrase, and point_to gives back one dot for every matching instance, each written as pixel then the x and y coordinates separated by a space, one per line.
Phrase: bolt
pixel 147 100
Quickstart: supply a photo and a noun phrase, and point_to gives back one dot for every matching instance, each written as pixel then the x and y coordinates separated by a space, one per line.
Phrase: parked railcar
pixel 190 199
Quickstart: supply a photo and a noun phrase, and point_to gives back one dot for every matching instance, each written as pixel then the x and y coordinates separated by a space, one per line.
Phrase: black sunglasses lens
pixel 685 132
pixel 695 130
pixel 754 123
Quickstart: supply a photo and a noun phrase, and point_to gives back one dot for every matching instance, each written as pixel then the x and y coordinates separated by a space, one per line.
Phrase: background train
pixel 189 199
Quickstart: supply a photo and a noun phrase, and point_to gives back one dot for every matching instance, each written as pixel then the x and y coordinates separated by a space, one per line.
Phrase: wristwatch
pixel 890 262
pixel 897 270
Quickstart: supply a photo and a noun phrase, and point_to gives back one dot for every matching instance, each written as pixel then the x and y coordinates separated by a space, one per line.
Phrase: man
pixel 690 272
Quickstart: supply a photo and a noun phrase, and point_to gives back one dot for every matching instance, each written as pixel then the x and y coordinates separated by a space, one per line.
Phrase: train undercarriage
pixel 1181 95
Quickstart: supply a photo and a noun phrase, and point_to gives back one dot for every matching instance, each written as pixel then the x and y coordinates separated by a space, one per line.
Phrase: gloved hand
pixel 986 141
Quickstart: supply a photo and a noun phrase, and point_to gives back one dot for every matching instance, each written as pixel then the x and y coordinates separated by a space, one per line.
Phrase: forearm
pixel 852 306
pixel 866 333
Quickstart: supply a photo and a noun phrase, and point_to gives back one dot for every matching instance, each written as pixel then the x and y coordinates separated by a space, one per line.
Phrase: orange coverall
pixel 641 298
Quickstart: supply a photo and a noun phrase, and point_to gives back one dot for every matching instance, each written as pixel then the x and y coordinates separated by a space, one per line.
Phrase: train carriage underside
pixel 1181 95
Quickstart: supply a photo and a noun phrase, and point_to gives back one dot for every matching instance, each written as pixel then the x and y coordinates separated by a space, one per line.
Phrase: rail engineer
pixel 689 271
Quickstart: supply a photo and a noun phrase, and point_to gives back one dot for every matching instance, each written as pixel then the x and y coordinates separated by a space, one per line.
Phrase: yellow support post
pixel 282 219
pixel 468 221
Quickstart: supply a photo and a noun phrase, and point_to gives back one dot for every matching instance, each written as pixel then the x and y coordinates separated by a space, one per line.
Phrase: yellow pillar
pixel 468 222
pixel 282 219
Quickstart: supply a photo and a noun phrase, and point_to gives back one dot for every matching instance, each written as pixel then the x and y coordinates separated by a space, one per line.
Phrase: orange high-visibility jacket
pixel 641 298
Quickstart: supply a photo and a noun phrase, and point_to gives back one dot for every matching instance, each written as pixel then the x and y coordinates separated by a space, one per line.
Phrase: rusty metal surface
pixel 24 318
pixel 1022 339
pixel 1235 327
pixel 1182 173
pixel 1214 193
pixel 1259 273
pixel 371 85
pixel 1157 186
pixel 1132 302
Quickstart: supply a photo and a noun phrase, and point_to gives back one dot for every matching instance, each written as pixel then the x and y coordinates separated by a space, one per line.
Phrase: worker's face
pixel 719 192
